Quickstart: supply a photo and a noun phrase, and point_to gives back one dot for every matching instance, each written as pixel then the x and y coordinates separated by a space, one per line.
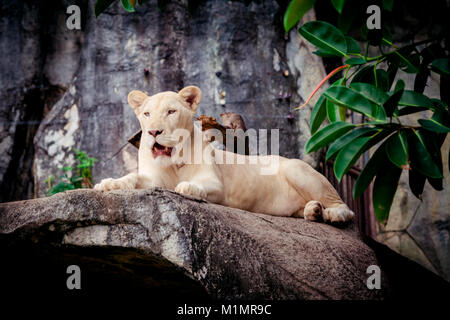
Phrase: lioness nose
pixel 155 132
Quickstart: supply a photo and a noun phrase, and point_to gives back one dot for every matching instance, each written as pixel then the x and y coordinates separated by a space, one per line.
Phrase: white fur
pixel 296 189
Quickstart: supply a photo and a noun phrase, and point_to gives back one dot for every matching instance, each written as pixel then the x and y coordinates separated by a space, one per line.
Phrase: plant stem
pixel 332 73
pixel 398 119
pixel 398 49
pixel 353 73
pixel 345 75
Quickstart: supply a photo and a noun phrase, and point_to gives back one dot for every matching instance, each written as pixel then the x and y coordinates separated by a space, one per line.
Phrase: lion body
pixel 293 188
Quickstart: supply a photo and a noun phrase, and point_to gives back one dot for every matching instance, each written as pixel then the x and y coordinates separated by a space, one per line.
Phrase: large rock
pixel 159 240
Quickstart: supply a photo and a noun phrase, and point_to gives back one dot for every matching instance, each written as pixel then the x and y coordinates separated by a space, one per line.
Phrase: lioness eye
pixel 172 111
pixel 147 114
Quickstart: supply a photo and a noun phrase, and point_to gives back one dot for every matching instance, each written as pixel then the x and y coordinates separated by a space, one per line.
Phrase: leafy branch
pixel 368 89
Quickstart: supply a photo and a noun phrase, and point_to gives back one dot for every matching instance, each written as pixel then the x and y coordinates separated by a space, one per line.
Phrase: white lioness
pixel 295 189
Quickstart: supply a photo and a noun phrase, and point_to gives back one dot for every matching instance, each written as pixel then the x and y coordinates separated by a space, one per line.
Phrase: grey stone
pixel 230 253
pixel 220 46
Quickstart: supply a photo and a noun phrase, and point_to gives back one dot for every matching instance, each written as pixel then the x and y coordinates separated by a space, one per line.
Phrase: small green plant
pixel 128 5
pixel 73 177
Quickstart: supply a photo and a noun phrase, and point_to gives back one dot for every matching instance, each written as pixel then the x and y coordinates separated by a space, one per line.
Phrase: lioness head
pixel 161 115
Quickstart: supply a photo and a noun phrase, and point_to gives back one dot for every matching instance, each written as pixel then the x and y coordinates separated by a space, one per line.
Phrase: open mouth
pixel 160 150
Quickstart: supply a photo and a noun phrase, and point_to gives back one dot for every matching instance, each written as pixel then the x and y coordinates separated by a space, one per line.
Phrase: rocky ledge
pixel 162 242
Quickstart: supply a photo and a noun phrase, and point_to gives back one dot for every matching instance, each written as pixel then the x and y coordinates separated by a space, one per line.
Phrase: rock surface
pixel 420 229
pixel 158 239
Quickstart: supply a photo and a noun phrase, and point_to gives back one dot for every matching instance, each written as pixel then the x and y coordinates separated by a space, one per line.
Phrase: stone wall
pixel 420 229
pixel 81 79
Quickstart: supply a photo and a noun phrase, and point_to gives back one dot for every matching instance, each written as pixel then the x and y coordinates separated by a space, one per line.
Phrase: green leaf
pixel 338 5
pixel 421 159
pixel 392 72
pixel 325 54
pixel 434 142
pixel 422 76
pixel 295 11
pixel 336 146
pixel 355 61
pixel 370 92
pixel 433 125
pixel 397 149
pixel 384 189
pixel 388 4
pixel 380 114
pixel 127 5
pixel 352 46
pixel 415 99
pixel 420 81
pixel 413 64
pixel 327 134
pixel 102 5
pixel 352 151
pixel 367 75
pixel 381 80
pixel 347 18
pixel 409 110
pixel 441 66
pixel 439 104
pixel 416 183
pixel 372 167
pixel 364 75
pixel 349 154
pixel 405 60
pixel 440 121
pixel 324 36
pixel 350 98
pixel 335 112
pixel 318 114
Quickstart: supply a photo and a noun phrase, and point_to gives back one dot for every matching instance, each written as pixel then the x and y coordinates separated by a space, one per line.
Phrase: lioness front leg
pixel 127 182
pixel 192 189
pixel 206 185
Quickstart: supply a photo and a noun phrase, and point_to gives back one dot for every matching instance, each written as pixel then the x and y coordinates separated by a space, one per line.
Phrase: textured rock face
pixel 77 81
pixel 420 230
pixel 164 240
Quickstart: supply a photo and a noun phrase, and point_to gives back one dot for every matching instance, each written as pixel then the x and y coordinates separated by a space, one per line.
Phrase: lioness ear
pixel 136 98
pixel 192 95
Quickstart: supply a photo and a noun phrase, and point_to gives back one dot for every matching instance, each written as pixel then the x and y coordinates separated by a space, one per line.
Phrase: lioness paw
pixel 114 184
pixel 191 189
pixel 341 213
pixel 313 211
